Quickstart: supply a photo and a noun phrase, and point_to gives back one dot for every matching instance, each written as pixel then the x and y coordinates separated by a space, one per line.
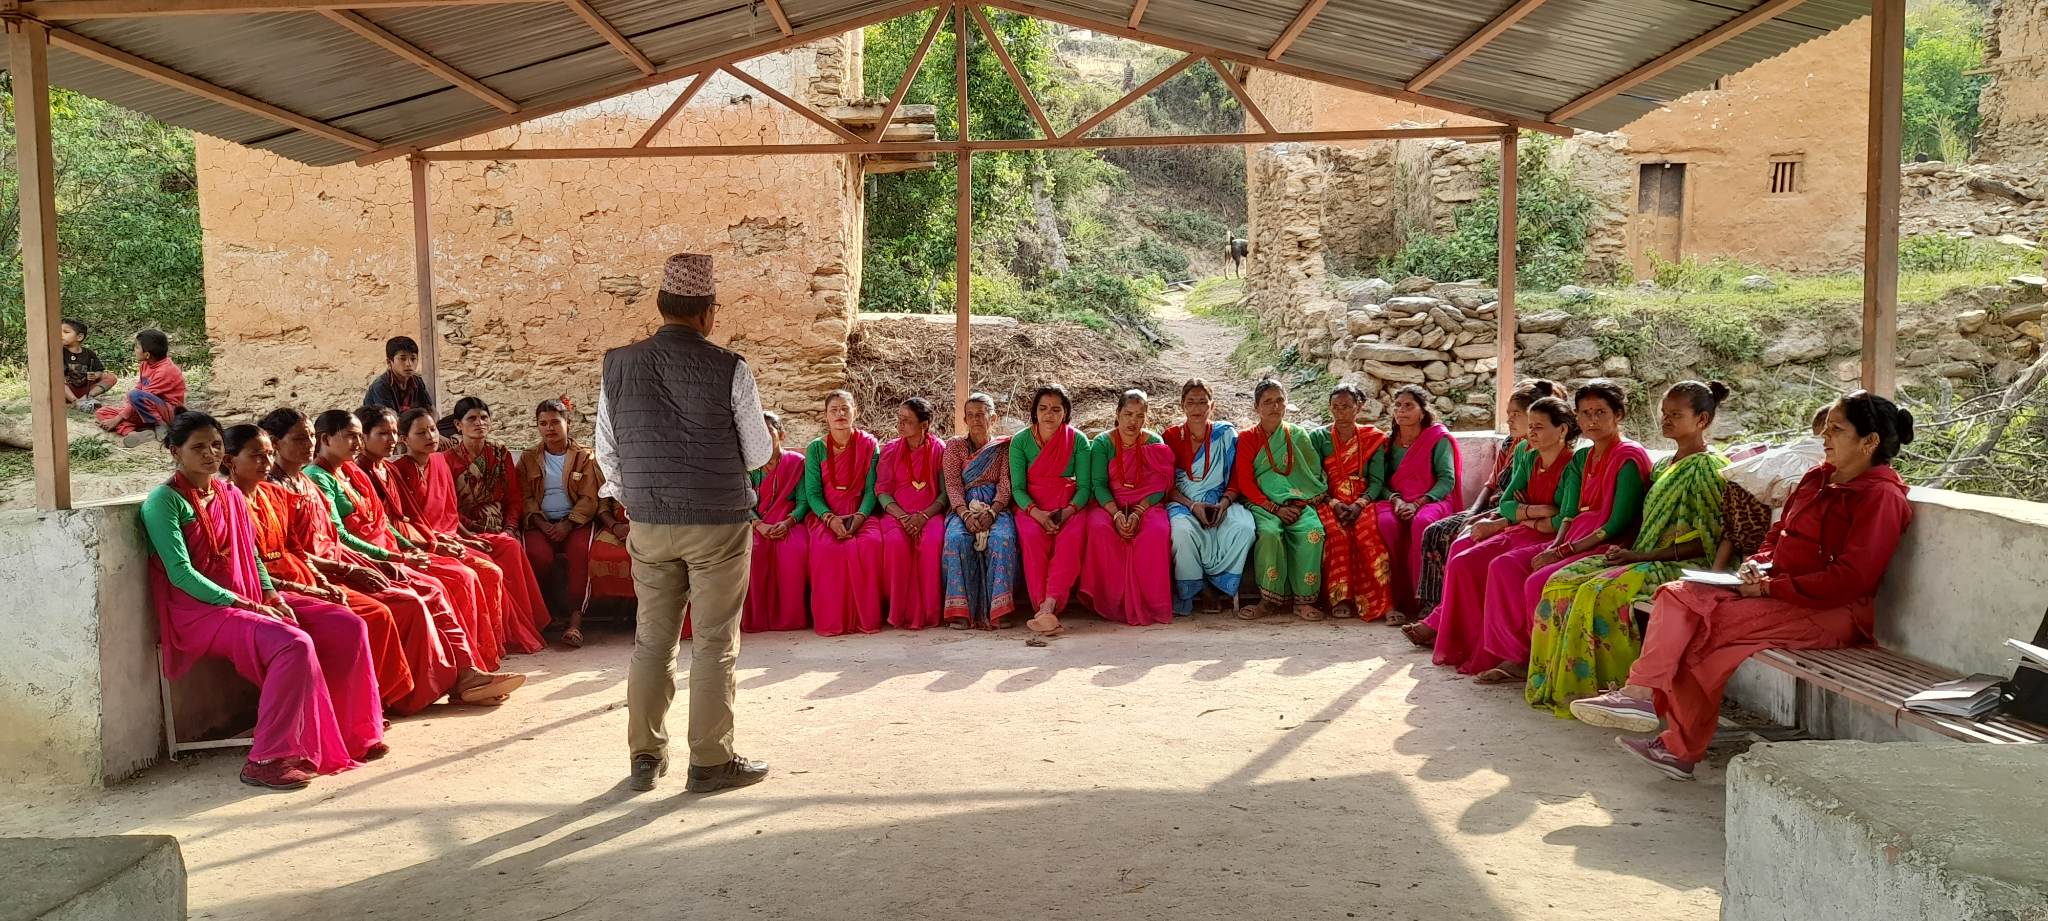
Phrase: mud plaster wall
pixel 540 266
pixel 1810 102
pixel 2014 130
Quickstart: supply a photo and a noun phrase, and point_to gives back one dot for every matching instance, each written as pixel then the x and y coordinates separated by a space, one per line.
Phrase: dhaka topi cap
pixel 688 275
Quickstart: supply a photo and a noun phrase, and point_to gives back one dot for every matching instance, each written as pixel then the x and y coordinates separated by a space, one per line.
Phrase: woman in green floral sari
pixel 1585 635
pixel 1280 475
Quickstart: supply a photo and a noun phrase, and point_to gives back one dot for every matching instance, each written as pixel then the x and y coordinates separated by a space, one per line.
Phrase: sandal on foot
pixel 491 690
pixel 1496 676
pixel 1310 614
pixel 573 637
pixel 1415 634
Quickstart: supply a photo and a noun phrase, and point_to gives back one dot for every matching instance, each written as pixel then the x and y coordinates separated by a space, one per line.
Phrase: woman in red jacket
pixel 1809 587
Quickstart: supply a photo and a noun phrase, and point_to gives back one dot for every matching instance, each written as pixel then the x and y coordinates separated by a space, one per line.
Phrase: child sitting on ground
pixel 85 378
pixel 159 393
pixel 400 387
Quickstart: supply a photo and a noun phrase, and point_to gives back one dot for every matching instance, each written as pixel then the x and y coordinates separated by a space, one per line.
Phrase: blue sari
pixel 980 585
pixel 1201 555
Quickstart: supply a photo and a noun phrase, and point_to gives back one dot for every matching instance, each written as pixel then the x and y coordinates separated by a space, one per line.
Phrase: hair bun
pixel 1719 390
pixel 1546 389
pixel 1905 426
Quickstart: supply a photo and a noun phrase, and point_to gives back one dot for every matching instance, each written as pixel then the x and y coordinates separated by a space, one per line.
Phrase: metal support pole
pixel 28 58
pixel 1504 376
pixel 423 272
pixel 963 228
pixel 1881 197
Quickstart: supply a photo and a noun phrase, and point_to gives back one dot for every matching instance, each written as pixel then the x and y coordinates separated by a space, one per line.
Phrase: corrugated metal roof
pixel 542 54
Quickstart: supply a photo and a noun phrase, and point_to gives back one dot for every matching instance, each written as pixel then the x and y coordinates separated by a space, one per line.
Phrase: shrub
pixel 1693 276
pixel 1191 227
pixel 1092 289
pixel 1550 225
pixel 1943 253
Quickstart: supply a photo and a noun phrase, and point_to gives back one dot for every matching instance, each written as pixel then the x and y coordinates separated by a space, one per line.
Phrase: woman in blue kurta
pixel 1212 533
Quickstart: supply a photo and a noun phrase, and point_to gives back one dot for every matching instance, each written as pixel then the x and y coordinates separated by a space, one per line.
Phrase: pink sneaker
pixel 1653 751
pixel 1615 710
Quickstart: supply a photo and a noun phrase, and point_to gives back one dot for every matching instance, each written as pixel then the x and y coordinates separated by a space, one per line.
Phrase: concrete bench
pixel 1850 831
pixel 114 878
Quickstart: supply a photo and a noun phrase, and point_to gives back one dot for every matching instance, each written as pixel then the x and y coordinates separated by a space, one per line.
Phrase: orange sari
pixel 1356 566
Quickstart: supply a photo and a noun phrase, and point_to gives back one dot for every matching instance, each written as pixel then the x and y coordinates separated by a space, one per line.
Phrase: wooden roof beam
pixel 995 43
pixel 1244 99
pixel 1138 12
pixel 1471 133
pixel 909 74
pixel 1757 16
pixel 612 35
pixel 799 108
pixel 68 10
pixel 1308 14
pixel 355 22
pixel 122 60
pixel 1082 129
pixel 1471 45
pixel 669 114
pixel 781 18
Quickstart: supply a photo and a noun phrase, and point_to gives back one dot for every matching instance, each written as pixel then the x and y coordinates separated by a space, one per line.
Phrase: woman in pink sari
pixel 907 482
pixel 1415 479
pixel 1048 463
pixel 846 541
pixel 1543 480
pixel 318 711
pixel 782 545
pixel 1128 574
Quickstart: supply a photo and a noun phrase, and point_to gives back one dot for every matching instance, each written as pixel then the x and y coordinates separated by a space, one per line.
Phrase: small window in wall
pixel 1785 175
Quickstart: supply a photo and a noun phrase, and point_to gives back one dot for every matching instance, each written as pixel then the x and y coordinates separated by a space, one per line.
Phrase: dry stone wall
pixel 541 265
pixel 2014 108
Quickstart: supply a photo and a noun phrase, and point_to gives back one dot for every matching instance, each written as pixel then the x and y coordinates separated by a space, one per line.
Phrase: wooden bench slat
pixel 1881 680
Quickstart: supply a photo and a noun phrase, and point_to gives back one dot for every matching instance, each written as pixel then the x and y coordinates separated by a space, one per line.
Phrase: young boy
pixel 84 377
pixel 159 392
pixel 401 388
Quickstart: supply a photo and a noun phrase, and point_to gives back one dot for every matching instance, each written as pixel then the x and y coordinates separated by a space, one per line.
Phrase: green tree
pixel 1944 42
pixel 128 239
pixel 1551 218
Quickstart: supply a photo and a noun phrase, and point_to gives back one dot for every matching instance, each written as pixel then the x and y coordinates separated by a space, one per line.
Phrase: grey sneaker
pixel 739 772
pixel 645 769
pixel 1652 750
pixel 1615 710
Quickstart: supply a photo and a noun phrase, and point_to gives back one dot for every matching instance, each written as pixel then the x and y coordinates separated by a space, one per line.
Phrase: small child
pixel 85 378
pixel 400 387
pixel 158 395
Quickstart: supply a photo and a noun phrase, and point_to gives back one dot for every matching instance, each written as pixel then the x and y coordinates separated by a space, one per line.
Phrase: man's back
pixel 672 425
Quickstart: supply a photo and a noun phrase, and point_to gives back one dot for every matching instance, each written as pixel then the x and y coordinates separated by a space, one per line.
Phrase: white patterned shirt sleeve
pixel 607 449
pixel 755 444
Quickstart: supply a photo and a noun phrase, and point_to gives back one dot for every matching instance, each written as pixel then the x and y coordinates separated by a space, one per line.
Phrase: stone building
pixel 541 265
pixel 2014 108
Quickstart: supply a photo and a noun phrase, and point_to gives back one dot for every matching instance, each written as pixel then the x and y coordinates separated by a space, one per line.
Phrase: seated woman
pixel 1481 519
pixel 913 499
pixel 1757 486
pixel 487 497
pixel 1212 532
pixel 1810 587
pixel 158 394
pixel 782 545
pixel 362 526
pixel 1356 573
pixel 846 541
pixel 1127 575
pixel 1414 481
pixel 1585 636
pixel 318 711
pixel 394 648
pixel 1613 474
pixel 980 566
pixel 1048 467
pixel 611 567
pixel 558 482
pixel 1280 476
pixel 1545 480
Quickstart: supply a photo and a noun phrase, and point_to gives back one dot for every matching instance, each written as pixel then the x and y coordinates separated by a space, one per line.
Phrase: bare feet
pixel 486 688
pixel 1420 634
pixel 1045 621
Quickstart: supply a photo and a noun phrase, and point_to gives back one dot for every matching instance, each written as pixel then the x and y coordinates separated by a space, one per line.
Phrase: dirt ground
pixel 1208 769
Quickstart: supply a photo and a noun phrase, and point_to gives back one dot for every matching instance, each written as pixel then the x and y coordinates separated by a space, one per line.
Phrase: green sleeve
pixel 164 516
pixel 1023 450
pixel 1376 472
pixel 1628 500
pixel 1568 489
pixel 868 500
pixel 1097 482
pixel 263 577
pixel 1519 468
pixel 338 507
pixel 1319 482
pixel 812 492
pixel 1446 469
pixel 1323 441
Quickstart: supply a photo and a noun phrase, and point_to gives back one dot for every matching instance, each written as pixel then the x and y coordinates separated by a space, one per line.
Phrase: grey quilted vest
pixel 670 401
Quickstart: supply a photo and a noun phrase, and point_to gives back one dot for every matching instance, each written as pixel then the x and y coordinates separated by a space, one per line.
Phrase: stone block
pixel 1413 283
pixel 1851 831
pixel 1408 322
pixel 1548 321
pixel 1405 374
pixel 1534 342
pixel 1571 352
pixel 1436 371
pixel 113 878
pixel 1412 304
pixel 1381 351
pixel 1970 321
pixel 1803 346
pixel 1359 322
pixel 1410 337
pixel 1476 350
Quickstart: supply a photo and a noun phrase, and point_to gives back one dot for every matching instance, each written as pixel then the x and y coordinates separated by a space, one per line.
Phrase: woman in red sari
pixel 846 541
pixel 316 534
pixel 1127 576
pixel 782 545
pixel 1048 464
pixel 913 498
pixel 428 480
pixel 379 478
pixel 317 712
pixel 1357 572
pixel 487 496
pixel 1811 586
pixel 392 648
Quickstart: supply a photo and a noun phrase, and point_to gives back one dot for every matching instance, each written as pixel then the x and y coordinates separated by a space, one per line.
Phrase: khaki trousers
pixel 703 566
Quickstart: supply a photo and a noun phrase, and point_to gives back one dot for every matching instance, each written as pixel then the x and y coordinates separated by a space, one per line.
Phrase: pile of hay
pixel 891 360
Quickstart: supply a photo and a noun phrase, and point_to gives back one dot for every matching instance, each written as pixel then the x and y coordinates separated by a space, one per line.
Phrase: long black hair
pixel 1558 412
pixel 234 440
pixel 1704 398
pixel 1870 414
pixel 187 424
pixel 280 420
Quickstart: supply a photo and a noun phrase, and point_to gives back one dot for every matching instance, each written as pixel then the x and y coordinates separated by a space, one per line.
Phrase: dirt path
pixel 1201 348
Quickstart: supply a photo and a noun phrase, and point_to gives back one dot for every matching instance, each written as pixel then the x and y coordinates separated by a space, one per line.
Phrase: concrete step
pixel 112 878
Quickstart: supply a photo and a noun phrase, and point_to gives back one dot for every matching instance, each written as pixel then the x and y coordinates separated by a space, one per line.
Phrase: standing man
pixel 678 427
